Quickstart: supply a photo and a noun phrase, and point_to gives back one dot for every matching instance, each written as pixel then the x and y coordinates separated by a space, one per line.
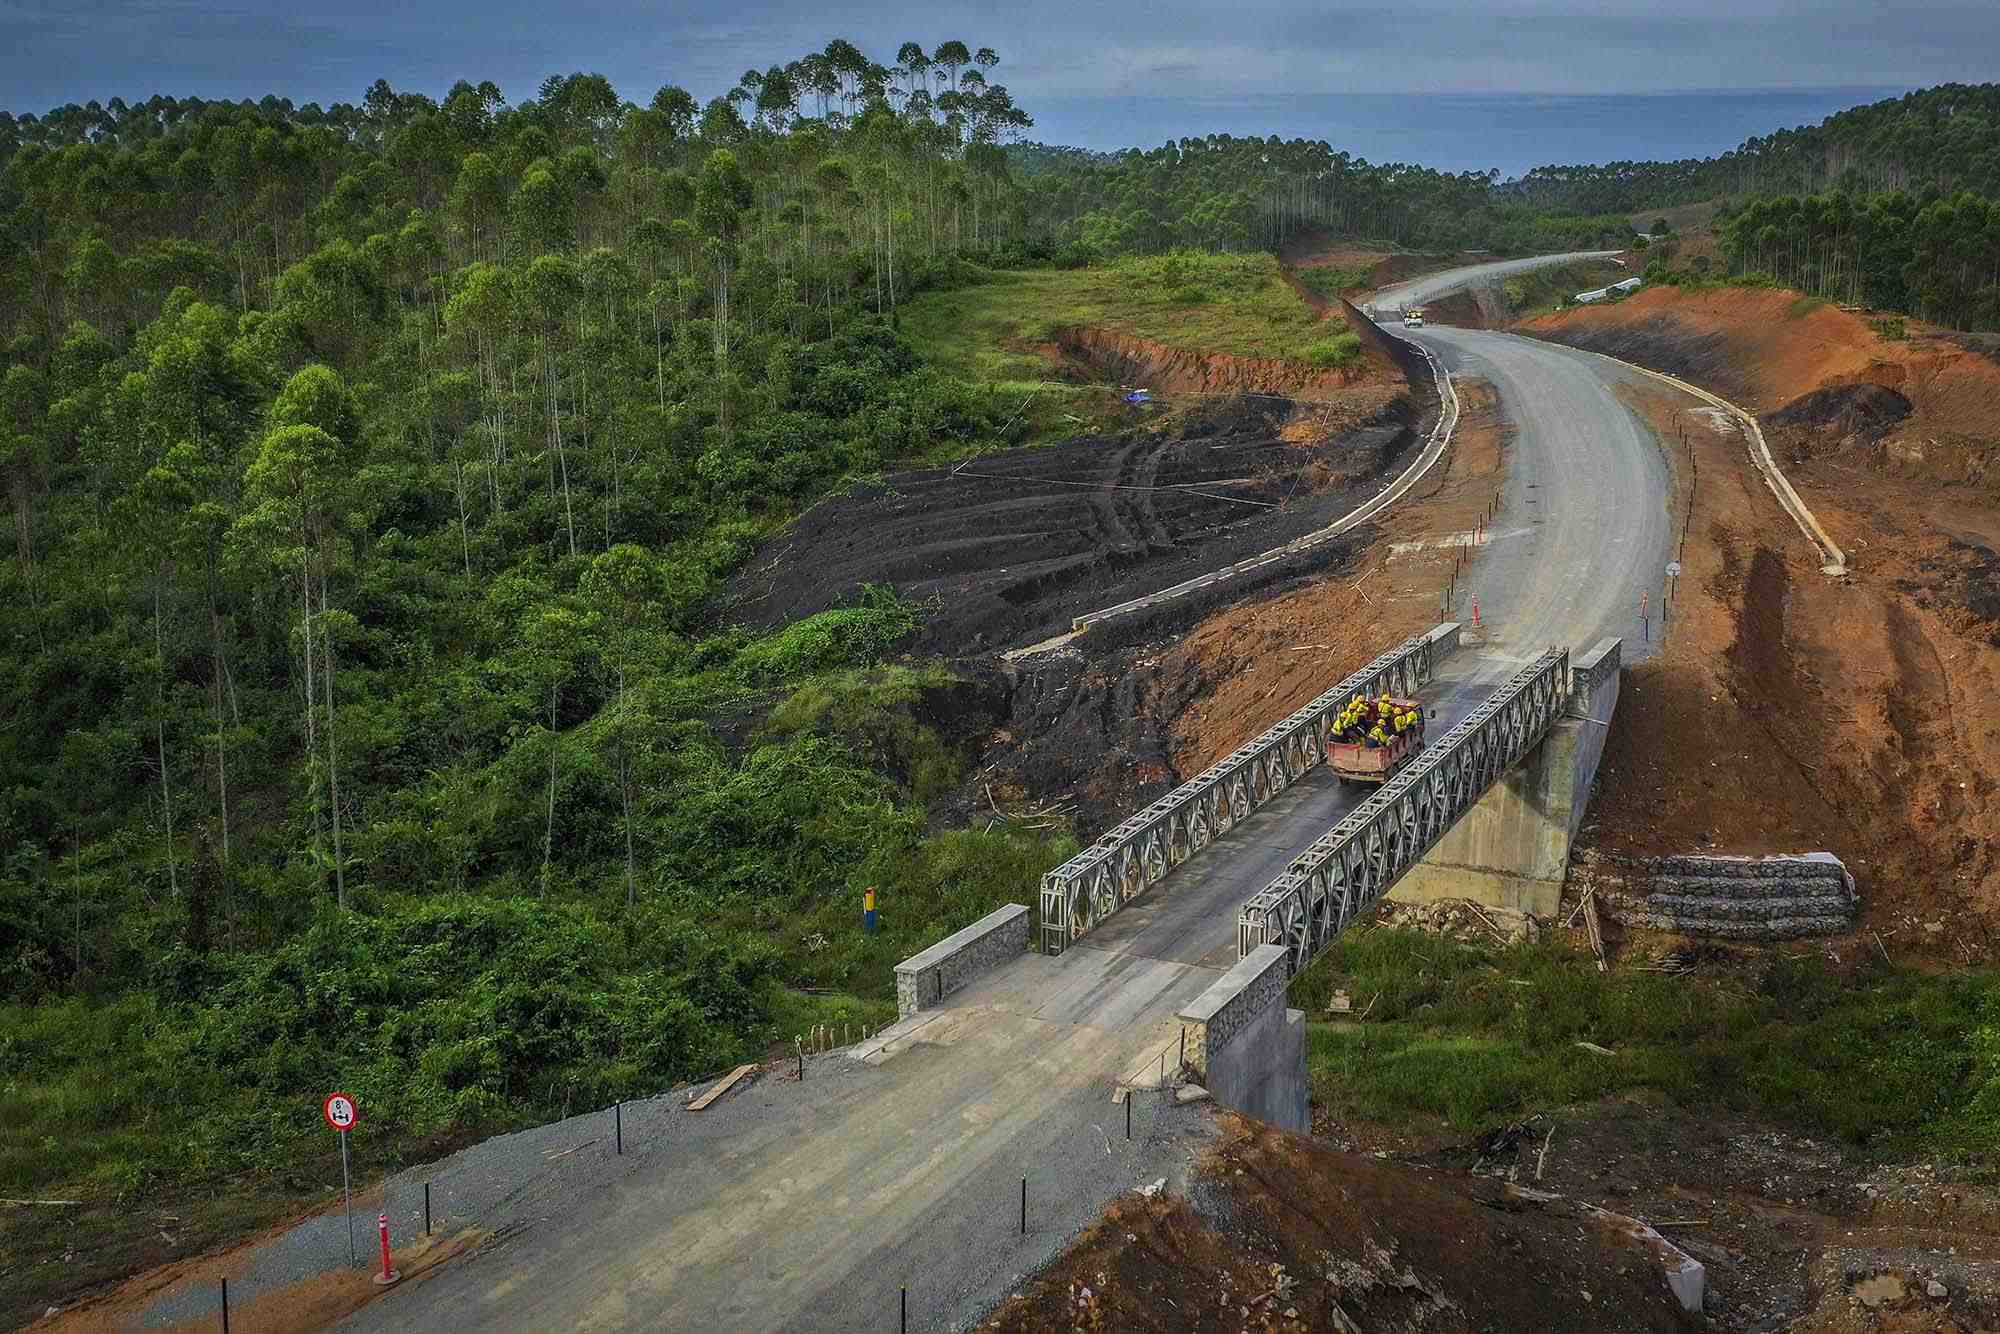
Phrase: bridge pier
pixel 1511 850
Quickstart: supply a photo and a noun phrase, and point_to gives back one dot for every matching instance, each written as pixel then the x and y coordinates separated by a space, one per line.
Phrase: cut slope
pixel 1009 547
pixel 1763 348
pixel 1788 712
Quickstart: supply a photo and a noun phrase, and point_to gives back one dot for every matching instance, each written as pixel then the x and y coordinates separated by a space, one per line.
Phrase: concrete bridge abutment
pixel 1511 850
pixel 1246 1047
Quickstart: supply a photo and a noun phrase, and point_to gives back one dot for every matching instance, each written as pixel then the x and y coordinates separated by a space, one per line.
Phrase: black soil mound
pixel 1866 412
pixel 1009 547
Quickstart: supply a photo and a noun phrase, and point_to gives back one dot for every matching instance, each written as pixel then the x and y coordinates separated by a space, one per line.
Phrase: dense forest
pixel 1947 137
pixel 372 473
pixel 1222 192
pixel 1933 255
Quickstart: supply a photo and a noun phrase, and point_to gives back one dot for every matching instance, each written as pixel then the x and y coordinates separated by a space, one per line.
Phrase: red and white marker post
pixel 342 1115
pixel 389 1273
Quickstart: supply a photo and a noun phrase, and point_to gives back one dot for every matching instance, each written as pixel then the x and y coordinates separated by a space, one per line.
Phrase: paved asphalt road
pixel 807 1206
pixel 1420 290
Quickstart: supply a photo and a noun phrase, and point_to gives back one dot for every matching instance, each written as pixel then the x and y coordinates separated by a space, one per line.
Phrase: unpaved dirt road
pixel 809 1206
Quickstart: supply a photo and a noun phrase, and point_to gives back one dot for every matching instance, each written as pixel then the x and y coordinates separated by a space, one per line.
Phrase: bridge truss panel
pixel 1139 853
pixel 1348 869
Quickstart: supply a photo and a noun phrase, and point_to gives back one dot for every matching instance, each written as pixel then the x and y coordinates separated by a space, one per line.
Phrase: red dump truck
pixel 1359 762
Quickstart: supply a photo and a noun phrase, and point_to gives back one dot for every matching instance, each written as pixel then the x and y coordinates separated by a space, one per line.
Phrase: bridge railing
pixel 1140 852
pixel 1348 869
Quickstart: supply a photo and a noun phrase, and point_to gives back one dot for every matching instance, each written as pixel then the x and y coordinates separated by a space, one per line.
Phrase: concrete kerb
pixel 1833 560
pixel 1586 671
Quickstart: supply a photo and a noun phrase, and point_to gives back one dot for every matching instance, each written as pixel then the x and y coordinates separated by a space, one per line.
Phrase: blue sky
pixel 1081 64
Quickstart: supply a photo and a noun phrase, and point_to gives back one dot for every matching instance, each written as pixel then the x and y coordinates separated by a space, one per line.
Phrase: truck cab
pixel 1413 317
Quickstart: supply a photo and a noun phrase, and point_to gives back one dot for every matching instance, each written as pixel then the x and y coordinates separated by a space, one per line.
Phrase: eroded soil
pixel 1789 711
pixel 1374 1227
pixel 1287 1233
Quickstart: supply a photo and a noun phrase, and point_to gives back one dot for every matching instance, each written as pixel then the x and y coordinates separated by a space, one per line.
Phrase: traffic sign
pixel 339 1112
pixel 1674 568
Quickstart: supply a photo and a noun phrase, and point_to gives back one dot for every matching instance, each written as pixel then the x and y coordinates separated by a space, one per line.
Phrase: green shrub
pixel 1330 280
pixel 1802 307
pixel 844 637
pixel 1890 328
pixel 1339 350
pixel 872 712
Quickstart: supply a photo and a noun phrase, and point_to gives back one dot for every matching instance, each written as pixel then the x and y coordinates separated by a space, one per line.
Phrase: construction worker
pixel 1377 737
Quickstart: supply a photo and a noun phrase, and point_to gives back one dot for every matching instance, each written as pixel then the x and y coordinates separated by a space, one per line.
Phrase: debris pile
pixel 1463 920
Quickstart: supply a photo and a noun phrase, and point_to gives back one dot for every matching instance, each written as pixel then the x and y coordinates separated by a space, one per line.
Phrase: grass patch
pixel 1236 304
pixel 1331 280
pixel 987 332
pixel 1891 328
pixel 1339 350
pixel 1894 1062
pixel 1802 307
pixel 1539 291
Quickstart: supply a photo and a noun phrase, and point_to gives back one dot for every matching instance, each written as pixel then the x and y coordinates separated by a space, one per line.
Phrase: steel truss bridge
pixel 1349 868
pixel 1097 882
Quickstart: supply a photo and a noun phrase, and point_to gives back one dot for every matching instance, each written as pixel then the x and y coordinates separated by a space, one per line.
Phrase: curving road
pixel 1583 531
pixel 1419 291
pixel 809 1205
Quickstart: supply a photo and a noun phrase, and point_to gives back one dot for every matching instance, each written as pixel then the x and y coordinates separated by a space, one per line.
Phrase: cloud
pixel 1050 49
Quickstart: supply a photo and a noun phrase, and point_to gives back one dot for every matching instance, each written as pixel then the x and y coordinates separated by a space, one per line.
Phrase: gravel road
pixel 808 1205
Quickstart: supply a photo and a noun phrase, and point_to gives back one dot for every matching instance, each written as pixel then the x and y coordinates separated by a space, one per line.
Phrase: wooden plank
pixel 722 1086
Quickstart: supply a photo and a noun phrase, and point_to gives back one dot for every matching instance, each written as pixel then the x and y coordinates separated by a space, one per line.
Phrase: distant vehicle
pixel 1413 318
pixel 1360 762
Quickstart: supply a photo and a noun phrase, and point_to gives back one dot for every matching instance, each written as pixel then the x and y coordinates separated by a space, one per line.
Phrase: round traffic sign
pixel 340 1113
pixel 1674 568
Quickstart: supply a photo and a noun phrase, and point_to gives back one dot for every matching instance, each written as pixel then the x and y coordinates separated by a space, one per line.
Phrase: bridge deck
pixel 1190 917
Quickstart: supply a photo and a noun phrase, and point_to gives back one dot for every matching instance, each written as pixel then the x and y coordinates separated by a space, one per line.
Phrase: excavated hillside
pixel 1241 456
pixel 1791 711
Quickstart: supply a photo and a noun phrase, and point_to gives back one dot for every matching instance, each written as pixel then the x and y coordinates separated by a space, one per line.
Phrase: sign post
pixel 340 1114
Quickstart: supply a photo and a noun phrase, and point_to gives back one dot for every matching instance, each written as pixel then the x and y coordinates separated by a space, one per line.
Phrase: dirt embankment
pixel 1316 250
pixel 1500 302
pixel 1287 1234
pixel 1767 350
pixel 1789 711
pixel 1131 711
pixel 1142 362
pixel 1401 1228
pixel 1258 660
pixel 1009 547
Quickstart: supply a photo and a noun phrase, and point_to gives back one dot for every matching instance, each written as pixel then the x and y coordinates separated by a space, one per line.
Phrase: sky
pixel 1098 75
